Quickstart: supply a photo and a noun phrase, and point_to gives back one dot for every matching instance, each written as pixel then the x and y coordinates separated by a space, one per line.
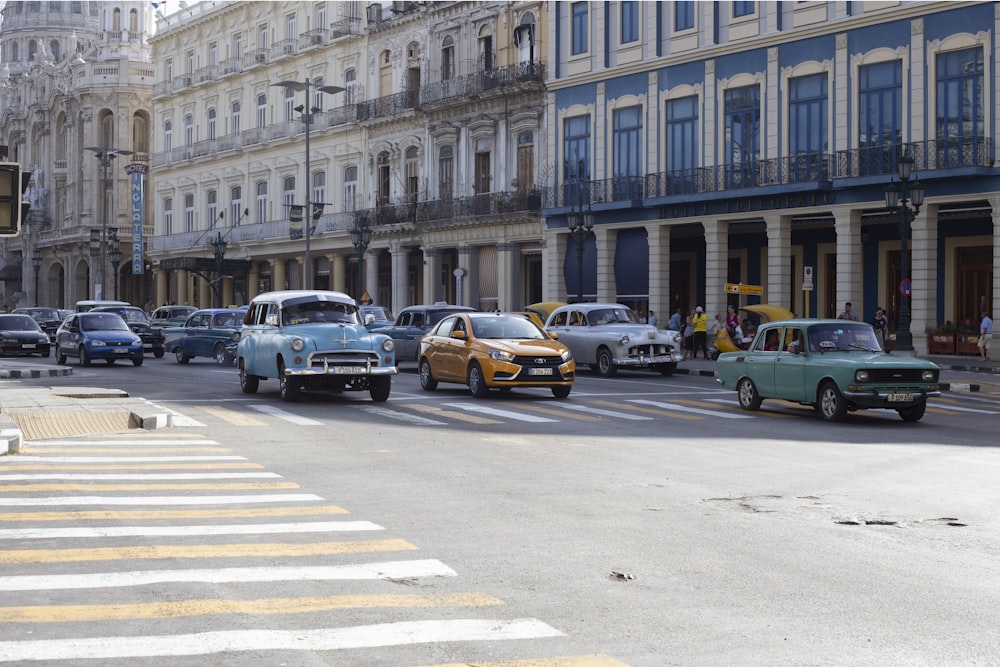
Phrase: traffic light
pixel 13 209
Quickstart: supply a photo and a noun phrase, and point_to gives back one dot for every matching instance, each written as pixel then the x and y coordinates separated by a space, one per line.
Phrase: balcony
pixel 389 105
pixel 349 27
pixel 285 47
pixel 498 79
pixel 310 38
pixel 231 66
pixel 255 57
pixel 930 155
pixel 210 73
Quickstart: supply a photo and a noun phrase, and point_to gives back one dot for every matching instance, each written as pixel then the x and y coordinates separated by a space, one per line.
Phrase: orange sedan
pixel 494 350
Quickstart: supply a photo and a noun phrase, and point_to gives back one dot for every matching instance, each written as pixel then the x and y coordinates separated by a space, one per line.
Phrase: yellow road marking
pixel 118 449
pixel 137 466
pixel 566 661
pixel 242 486
pixel 460 416
pixel 155 552
pixel 647 410
pixel 232 416
pixel 187 608
pixel 143 515
pixel 943 411
pixel 555 412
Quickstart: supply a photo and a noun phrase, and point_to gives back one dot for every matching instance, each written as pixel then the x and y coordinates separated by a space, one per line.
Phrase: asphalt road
pixel 766 538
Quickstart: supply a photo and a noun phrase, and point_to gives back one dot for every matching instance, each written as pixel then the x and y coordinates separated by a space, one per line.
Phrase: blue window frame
pixel 682 146
pixel 576 156
pixel 683 15
pixel 628 153
pixel 880 117
pixel 743 8
pixel 807 132
pixel 960 116
pixel 630 21
pixel 742 142
pixel 579 28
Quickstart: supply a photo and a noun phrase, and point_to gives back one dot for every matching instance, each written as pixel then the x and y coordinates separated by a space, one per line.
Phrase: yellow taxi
pixel 494 351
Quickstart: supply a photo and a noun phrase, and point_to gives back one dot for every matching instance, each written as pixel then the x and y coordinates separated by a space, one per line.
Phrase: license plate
pixel 539 371
pixel 900 398
pixel 348 370
pixel 121 350
pixel 28 346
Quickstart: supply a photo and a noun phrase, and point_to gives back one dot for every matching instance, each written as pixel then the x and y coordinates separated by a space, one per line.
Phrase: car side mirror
pixel 794 347
pixel 369 319
pixel 554 335
pixel 458 335
pixel 271 320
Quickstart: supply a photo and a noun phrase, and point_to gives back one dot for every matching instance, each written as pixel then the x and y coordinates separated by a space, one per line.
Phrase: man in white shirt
pixel 985 336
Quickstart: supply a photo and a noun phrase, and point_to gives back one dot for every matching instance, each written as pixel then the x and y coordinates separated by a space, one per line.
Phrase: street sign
pixel 740 288
pixel 904 287
pixel 807 279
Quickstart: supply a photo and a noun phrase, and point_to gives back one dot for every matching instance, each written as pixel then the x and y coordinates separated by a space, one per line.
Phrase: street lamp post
pixel 581 223
pixel 307 118
pixel 361 236
pixel 904 199
pixel 36 262
pixel 105 155
pixel 219 250
pixel 116 255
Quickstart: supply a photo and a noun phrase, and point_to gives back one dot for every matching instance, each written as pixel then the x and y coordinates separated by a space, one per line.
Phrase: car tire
pixel 181 356
pixel 219 354
pixel 830 402
pixel 379 388
pixel 248 383
pixel 60 357
pixel 476 381
pixel 666 369
pixel 84 357
pixel 561 392
pixel 749 398
pixel 289 388
pixel 914 413
pixel 159 352
pixel 605 365
pixel 427 381
pixel 137 361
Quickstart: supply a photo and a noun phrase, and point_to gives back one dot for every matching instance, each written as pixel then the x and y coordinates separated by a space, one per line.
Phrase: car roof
pixel 804 322
pixel 112 309
pixel 441 306
pixel 589 305
pixel 213 311
pixel 282 296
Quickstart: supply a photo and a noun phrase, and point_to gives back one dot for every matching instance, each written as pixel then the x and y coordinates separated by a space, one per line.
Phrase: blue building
pixel 715 143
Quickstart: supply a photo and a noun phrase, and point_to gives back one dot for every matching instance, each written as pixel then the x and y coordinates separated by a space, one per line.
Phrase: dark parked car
pixel 375 317
pixel 48 319
pixel 20 334
pixel 92 336
pixel 170 316
pixel 212 332
pixel 412 323
pixel 135 318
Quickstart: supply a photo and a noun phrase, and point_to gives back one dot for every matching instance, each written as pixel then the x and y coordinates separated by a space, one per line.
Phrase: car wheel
pixel 830 403
pixel 248 383
pixel 913 413
pixel 747 392
pixel 181 356
pixel 288 387
pixel 561 392
pixel 84 357
pixel 605 363
pixel 219 354
pixel 666 369
pixel 427 381
pixel 159 352
pixel 476 381
pixel 60 357
pixel 137 361
pixel 378 388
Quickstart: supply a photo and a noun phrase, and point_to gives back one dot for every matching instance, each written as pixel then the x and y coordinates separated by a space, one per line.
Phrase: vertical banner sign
pixel 295 221
pixel 136 172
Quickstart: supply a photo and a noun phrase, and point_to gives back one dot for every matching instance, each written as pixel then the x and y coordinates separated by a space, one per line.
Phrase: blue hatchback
pixel 92 336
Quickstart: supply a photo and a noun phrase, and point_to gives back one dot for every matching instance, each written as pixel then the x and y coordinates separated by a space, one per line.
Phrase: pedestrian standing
pixel 651 318
pixel 732 319
pixel 675 321
pixel 881 326
pixel 985 336
pixel 689 335
pixel 700 333
pixel 847 313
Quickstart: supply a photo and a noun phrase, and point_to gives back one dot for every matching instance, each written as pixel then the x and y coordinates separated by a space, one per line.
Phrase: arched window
pixel 211 124
pixel 261 111
pixel 54 50
pixel 318 94
pixel 289 104
pixel 133 21
pixel 447 58
pixel 319 188
pixel 235 118
pixel 116 20
pixel 235 205
pixel 350 188
pixel 289 194
pixel 412 174
pixel 168 216
pixel 188 130
pixel 262 202
pixel 32 50
pixel 384 183
pixel 168 135
pixel 188 213
pixel 486 48
pixel 213 208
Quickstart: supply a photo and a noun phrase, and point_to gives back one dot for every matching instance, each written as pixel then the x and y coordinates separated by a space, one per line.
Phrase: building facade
pixel 76 80
pixel 752 142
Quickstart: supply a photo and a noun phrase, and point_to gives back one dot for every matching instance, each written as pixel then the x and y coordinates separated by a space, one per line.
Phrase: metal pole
pixel 361 271
pixel 104 220
pixel 307 217
pixel 904 337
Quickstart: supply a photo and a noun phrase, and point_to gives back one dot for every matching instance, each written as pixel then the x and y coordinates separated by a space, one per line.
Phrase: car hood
pixel 524 347
pixel 633 331
pixel 21 333
pixel 871 359
pixel 333 336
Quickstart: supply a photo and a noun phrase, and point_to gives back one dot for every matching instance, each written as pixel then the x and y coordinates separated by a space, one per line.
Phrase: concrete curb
pixel 35 373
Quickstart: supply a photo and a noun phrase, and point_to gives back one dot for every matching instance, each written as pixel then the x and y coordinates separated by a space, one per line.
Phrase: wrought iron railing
pixel 347 27
pixel 929 155
pixel 387 106
pixel 481 82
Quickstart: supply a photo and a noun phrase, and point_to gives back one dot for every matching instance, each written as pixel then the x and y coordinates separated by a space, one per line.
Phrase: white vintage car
pixel 609 336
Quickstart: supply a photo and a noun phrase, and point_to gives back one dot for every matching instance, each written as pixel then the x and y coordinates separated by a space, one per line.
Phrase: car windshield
pixel 319 311
pixel 611 316
pixel 103 322
pixel 232 319
pixel 381 314
pixel 516 327
pixel 17 323
pixel 132 315
pixel 41 313
pixel 841 337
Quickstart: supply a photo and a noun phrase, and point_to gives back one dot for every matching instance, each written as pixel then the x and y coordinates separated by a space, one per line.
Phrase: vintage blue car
pixel 313 340
pixel 212 332
pixel 836 366
pixel 92 336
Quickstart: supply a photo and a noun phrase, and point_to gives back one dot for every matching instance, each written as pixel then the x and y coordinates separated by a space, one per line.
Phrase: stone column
pixel 658 238
pixel 553 259
pixel 607 244
pixel 716 265
pixel 508 294
pixel 847 223
pixel 253 281
pixel 181 278
pixel 161 277
pixel 277 274
pixel 400 275
pixel 432 275
pixel 924 272
pixel 779 260
pixel 338 272
pixel 371 275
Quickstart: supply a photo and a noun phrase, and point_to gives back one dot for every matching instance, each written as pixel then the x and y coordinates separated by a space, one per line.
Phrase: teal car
pixel 836 366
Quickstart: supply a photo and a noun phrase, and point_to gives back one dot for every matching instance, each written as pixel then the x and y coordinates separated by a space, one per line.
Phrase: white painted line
pixel 284 414
pixel 141 476
pixel 403 569
pixel 605 413
pixel 402 416
pixel 185 531
pixel 87 501
pixel 176 418
pixel 123 442
pixel 958 408
pixel 240 641
pixel 687 408
pixel 471 407
pixel 121 459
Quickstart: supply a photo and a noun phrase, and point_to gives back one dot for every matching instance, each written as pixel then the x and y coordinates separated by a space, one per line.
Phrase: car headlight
pixel 298 344
pixel 96 342
pixel 388 345
pixel 623 341
pixel 678 338
pixel 929 376
pixel 500 355
pixel 861 376
pixel 566 355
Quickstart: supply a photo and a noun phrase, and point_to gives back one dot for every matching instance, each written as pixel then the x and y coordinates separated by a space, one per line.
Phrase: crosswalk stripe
pixel 607 413
pixel 240 641
pixel 131 441
pixel 30 458
pixel 496 412
pixel 687 408
pixel 959 408
pixel 231 416
pixel 595 660
pixel 153 515
pixel 652 411
pixel 283 414
pixel 128 450
pixel 83 613
pixel 406 569
pixel 235 486
pixel 451 414
pixel 559 412
pixel 89 501
pixel 237 550
pixel 186 531
pixel 401 416
pixel 142 466
pixel 5 477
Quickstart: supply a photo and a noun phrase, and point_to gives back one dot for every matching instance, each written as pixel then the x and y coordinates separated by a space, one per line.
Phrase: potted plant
pixel 941 339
